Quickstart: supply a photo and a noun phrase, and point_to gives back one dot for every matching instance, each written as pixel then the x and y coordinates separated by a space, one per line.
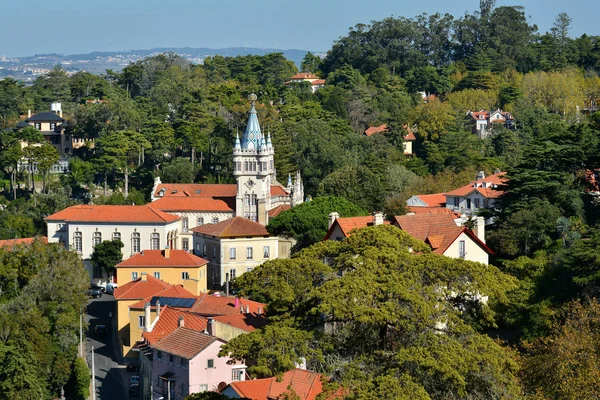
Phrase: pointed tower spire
pixel 237 146
pixel 252 137
pixel 289 184
pixel 269 143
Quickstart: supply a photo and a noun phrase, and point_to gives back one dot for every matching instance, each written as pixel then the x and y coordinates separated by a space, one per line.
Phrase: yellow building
pixel 177 267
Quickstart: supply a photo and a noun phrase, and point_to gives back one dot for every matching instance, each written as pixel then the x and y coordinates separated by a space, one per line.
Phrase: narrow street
pixel 111 378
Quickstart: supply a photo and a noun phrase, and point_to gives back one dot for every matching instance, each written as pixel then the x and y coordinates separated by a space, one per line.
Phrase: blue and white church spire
pixel 254 170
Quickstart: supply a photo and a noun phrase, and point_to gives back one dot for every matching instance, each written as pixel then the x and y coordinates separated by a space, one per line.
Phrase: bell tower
pixel 254 170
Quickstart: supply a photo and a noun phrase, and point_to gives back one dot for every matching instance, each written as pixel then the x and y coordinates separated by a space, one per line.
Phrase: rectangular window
pixel 232 274
pixel 203 388
pixel 249 253
pixel 159 354
pixel 141 321
pixel 249 269
pixel 171 358
pixel 456 202
pixel 135 242
pixel 155 241
pixel 116 236
pixel 204 250
pixel 232 253
pixel 468 204
pixel 185 244
pixel 185 275
pixel 211 363
pixel 214 252
pixel 38 126
pixel 157 275
pixel 200 221
pixel 185 224
pixel 267 252
pixel 215 220
pixel 461 249
pixel 236 374
pixel 78 242
pixel 476 202
pixel 134 276
pixel 97 238
pixel 52 126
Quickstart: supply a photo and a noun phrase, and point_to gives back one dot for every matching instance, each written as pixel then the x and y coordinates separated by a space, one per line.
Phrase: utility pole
pixel 168 390
pixel 80 334
pixel 93 376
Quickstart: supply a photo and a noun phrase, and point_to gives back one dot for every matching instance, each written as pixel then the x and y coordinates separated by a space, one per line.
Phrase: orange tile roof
pixel 10 243
pixel 247 322
pixel 433 200
pixel 184 342
pixel 318 82
pixel 233 227
pixel 278 210
pixel 173 204
pixel 376 129
pixel 437 229
pixel 140 289
pixel 196 190
pixel 156 258
pixel 432 210
pixel 109 213
pixel 217 305
pixel 306 385
pixel 490 192
pixel 305 75
pixel 176 291
pixel 348 224
pixel 410 135
pixel 168 321
pixel 278 191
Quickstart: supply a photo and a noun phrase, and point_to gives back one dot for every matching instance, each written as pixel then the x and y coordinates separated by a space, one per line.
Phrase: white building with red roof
pixel 484 192
pixel 483 120
pixel 315 82
pixel 409 137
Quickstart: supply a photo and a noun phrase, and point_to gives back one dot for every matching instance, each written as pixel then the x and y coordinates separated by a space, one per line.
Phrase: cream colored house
pixel 81 227
pixel 233 247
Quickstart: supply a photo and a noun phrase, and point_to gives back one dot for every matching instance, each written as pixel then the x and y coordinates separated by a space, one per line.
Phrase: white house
pixel 484 192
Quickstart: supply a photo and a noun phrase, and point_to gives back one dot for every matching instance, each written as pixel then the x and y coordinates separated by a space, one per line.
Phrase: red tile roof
pixel 348 224
pixel 217 305
pixel 437 229
pixel 185 342
pixel 278 191
pixel 376 129
pixel 10 243
pixel 233 227
pixel 156 258
pixel 318 82
pixel 433 200
pixel 410 135
pixel 490 191
pixel 168 321
pixel 306 385
pixel 174 204
pixel 278 210
pixel 108 213
pixel 140 289
pixel 196 190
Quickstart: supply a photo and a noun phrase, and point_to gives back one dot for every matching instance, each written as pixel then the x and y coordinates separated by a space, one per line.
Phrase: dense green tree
pixel 180 170
pixel 107 255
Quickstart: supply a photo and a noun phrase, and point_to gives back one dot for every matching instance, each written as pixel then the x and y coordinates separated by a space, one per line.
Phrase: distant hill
pixel 97 62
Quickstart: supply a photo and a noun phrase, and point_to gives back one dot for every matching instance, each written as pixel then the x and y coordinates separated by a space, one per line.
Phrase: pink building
pixel 186 361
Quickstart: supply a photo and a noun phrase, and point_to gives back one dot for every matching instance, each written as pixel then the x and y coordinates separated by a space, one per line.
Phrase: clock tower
pixel 254 170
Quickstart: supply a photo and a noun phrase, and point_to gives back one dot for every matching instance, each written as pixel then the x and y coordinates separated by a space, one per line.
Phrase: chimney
pixel 147 317
pixel 226 284
pixel 332 217
pixel 480 228
pixel 237 302
pixel 167 252
pixel 144 276
pixel 180 322
pixel 247 309
pixel 29 113
pixel 157 308
pixel 378 218
pixel 210 327
pixel 259 311
pixel 480 175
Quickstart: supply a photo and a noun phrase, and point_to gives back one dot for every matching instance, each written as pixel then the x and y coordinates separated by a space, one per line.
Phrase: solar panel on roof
pixel 173 301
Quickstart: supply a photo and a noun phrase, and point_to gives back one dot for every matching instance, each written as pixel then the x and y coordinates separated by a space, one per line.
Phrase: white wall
pixel 473 252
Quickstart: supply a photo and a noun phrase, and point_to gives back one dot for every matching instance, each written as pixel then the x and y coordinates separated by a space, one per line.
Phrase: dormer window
pixel 173 191
pixel 162 192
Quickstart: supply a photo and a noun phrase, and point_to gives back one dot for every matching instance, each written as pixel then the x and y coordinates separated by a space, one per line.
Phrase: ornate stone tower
pixel 254 170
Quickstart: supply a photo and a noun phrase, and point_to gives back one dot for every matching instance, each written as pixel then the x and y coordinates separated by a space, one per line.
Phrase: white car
pixel 110 288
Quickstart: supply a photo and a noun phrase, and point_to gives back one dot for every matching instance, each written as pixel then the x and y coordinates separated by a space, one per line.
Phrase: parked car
pixel 110 288
pixel 94 292
pixel 134 390
pixel 134 380
pixel 100 287
pixel 100 330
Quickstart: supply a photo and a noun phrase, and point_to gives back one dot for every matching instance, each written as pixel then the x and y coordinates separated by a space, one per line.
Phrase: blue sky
pixel 81 26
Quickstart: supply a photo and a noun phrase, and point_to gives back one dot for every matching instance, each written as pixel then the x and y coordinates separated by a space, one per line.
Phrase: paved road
pixel 111 379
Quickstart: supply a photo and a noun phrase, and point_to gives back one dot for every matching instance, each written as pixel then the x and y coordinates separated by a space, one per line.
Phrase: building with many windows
pixel 233 247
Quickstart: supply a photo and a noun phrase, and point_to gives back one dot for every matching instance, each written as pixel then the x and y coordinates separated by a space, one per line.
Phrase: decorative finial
pixel 252 97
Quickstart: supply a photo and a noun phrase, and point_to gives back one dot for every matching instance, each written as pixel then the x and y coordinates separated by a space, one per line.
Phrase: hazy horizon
pixel 74 27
